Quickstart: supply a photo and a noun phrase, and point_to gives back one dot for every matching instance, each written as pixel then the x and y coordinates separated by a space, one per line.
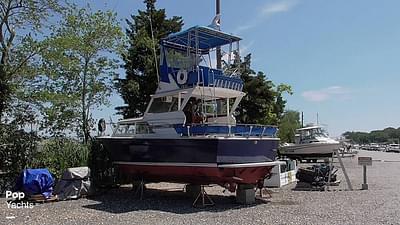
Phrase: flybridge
pixel 186 61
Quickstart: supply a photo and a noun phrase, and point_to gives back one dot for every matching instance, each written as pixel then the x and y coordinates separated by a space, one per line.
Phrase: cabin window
pixel 132 129
pixel 218 107
pixel 221 107
pixel 143 128
pixel 312 133
pixel 164 104
pixel 125 129
pixel 210 107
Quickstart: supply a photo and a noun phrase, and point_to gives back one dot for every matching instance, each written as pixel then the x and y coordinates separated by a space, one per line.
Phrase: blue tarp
pixel 35 181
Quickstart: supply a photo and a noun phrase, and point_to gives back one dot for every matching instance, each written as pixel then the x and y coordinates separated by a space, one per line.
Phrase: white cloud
pixel 245 27
pixel 272 8
pixel 267 10
pixel 326 94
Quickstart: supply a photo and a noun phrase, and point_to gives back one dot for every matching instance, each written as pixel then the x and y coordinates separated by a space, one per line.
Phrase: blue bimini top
pixel 207 37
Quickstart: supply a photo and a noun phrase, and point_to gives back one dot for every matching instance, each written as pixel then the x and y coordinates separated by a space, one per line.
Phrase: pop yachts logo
pixel 14 200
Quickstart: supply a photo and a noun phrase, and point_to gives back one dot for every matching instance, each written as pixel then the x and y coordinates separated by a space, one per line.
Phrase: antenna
pixel 154 49
pixel 218 52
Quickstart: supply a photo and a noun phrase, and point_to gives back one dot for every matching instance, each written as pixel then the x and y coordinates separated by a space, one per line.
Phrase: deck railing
pixel 200 129
pixel 244 130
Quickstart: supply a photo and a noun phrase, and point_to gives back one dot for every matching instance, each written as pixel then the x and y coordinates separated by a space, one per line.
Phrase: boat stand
pixel 260 197
pixel 140 186
pixel 261 188
pixel 203 198
pixel 269 195
pixel 337 155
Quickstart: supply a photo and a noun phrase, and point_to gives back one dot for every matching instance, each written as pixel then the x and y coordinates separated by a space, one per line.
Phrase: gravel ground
pixel 165 203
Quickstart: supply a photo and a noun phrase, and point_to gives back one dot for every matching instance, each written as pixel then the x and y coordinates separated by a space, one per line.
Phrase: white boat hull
pixel 310 150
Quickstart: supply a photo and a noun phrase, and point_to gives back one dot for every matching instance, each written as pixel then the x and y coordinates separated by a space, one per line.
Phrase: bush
pixel 58 154
pixel 16 149
pixel 20 149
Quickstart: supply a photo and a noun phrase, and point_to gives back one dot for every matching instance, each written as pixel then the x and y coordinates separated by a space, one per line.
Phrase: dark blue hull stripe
pixel 187 150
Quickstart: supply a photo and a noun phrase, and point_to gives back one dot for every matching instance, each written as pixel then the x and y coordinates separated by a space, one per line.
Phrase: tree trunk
pixel 4 91
pixel 84 117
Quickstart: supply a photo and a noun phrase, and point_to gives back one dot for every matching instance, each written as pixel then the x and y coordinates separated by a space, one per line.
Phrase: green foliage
pixel 16 147
pixel 388 135
pixel 77 70
pixel 20 21
pixel 4 89
pixel 141 75
pixel 287 127
pixel 20 150
pixel 55 79
pixel 263 103
pixel 58 154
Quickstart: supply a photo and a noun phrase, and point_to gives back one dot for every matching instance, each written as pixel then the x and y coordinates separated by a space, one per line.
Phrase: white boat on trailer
pixel 311 142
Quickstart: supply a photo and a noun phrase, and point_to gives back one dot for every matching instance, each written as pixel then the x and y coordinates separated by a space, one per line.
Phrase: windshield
pixel 311 133
pixel 164 104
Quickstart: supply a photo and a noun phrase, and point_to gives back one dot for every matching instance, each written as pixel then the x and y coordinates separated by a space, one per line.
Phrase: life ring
pixel 181 77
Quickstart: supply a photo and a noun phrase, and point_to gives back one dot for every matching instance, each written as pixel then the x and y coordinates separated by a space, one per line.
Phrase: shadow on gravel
pixel 124 200
pixel 303 186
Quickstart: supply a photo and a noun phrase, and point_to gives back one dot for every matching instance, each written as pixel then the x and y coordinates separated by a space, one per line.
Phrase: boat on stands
pixel 311 142
pixel 188 133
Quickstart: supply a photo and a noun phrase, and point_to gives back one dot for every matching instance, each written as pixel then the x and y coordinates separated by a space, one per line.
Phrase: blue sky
pixel 342 58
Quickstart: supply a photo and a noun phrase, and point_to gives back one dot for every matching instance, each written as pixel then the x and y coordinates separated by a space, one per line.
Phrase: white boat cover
pixel 74 183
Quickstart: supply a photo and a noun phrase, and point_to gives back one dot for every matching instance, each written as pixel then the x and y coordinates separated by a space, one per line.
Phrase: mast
pixel 218 52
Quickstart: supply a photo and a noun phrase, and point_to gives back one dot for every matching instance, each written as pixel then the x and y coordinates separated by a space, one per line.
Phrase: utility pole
pixel 218 52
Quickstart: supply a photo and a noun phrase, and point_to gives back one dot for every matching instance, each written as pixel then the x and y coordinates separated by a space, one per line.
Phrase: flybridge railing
pixel 206 76
pixel 244 130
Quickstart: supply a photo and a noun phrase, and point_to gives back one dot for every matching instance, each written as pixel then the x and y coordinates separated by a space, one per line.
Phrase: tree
pixel 20 21
pixel 388 135
pixel 78 69
pixel 287 127
pixel 141 75
pixel 280 102
pixel 263 103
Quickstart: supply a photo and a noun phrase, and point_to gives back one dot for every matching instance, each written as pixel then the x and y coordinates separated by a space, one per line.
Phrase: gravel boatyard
pixel 165 203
